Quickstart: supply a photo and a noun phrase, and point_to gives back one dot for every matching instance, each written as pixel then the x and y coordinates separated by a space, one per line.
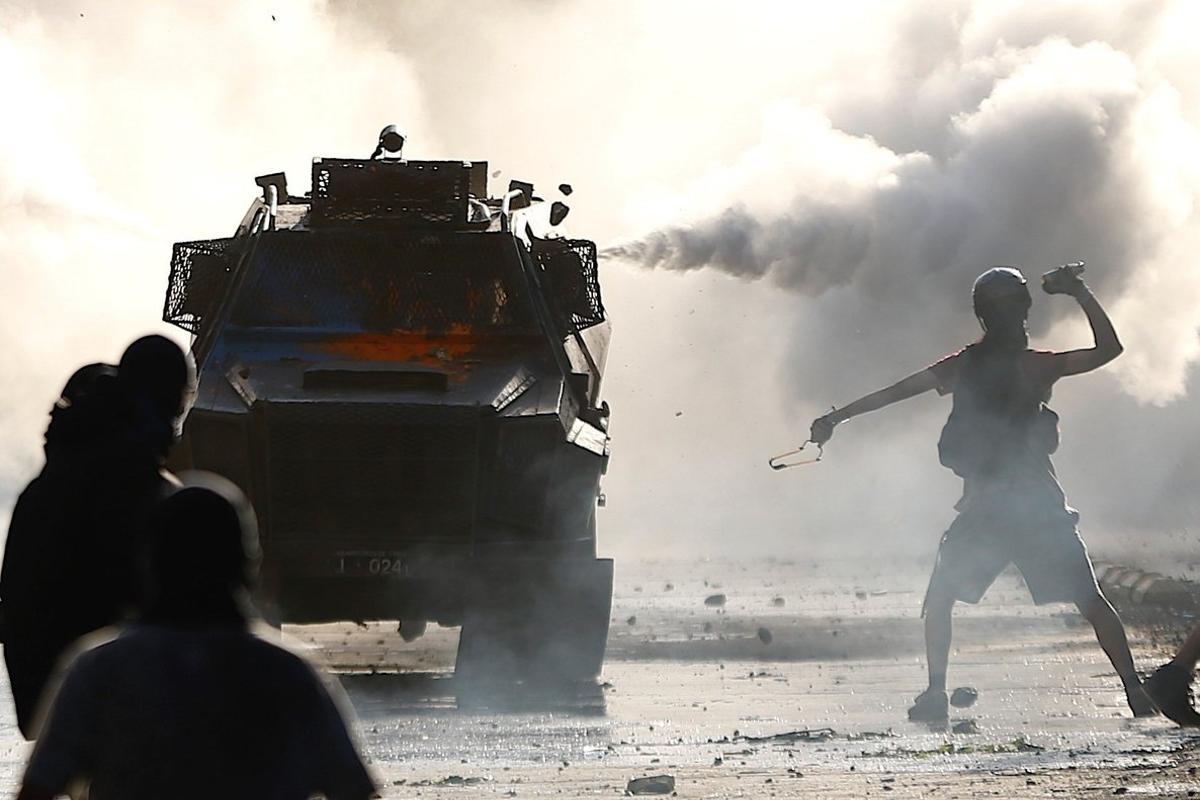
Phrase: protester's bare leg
pixel 932 705
pixel 1111 635
pixel 939 610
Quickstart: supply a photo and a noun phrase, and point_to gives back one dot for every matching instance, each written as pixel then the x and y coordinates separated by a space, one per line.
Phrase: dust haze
pixel 795 200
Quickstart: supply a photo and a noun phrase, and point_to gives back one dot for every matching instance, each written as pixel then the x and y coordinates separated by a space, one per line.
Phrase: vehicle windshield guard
pixel 428 283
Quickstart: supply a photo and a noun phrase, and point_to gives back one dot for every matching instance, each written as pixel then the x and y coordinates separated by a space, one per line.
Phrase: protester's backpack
pixel 996 416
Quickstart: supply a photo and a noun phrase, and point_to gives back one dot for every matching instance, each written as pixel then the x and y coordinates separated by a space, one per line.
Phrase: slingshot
pixel 783 460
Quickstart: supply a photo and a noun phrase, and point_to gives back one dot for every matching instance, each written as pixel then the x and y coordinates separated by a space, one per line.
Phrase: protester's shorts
pixel 1047 549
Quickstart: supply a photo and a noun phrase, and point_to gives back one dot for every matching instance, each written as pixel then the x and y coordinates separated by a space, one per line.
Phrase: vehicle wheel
pixel 536 622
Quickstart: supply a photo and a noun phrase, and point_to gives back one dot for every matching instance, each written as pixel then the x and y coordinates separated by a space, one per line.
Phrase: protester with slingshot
pixel 999 439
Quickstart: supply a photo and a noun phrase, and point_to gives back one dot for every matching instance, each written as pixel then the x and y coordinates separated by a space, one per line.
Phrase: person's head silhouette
pixel 1001 300
pixel 156 369
pixel 203 553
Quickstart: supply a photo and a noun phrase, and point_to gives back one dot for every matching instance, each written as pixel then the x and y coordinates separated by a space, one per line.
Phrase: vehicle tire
pixel 536 622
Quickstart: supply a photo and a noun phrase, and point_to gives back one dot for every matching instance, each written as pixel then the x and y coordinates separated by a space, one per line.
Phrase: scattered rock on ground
pixel 715 600
pixel 654 784
pixel 765 636
pixel 964 696
pixel 965 726
pixel 779 602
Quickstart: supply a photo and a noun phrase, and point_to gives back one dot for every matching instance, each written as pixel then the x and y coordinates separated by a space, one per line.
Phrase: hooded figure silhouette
pixel 72 561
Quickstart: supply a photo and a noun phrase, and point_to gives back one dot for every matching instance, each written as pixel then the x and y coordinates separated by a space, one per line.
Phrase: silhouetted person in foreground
pixel 189 702
pixel 1170 685
pixel 71 560
pixel 999 439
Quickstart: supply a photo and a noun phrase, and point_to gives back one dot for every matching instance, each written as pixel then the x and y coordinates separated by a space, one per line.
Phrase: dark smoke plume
pixel 1059 158
pixel 998 134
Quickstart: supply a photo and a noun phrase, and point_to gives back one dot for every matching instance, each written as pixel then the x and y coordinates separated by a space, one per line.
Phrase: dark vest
pixel 999 421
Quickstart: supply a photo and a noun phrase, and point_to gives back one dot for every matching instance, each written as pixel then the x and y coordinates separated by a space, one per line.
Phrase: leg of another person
pixel 1170 685
pixel 1189 654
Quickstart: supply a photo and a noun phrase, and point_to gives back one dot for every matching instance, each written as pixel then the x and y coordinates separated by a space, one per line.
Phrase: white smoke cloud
pixel 131 126
pixel 868 159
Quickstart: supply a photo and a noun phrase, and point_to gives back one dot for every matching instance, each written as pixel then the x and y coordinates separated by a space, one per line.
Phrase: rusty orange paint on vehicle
pixel 425 349
pixel 455 350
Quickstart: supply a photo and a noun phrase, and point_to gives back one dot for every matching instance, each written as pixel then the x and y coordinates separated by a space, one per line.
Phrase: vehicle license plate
pixel 369 564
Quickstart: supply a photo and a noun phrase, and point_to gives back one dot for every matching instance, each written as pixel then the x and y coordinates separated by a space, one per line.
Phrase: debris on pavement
pixel 764 636
pixel 964 696
pixel 654 784
pixel 454 780
pixel 1017 745
pixel 965 726
pixel 802 735
pixel 715 600
pixel 868 735
pixel 778 602
pixel 808 735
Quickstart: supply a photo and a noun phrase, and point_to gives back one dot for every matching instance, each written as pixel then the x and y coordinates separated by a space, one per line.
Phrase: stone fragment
pixel 964 696
pixel 654 784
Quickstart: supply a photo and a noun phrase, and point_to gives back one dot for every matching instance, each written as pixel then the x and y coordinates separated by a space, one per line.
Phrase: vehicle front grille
pixel 365 475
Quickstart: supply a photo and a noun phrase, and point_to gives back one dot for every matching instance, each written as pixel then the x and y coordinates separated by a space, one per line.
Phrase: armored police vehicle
pixel 404 374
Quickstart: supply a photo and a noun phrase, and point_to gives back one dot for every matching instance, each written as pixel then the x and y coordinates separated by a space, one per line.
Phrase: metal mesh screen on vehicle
pixel 413 192
pixel 369 473
pixel 200 273
pixel 570 266
pixel 341 280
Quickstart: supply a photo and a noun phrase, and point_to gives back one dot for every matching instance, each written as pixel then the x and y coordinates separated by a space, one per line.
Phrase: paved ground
pixel 694 692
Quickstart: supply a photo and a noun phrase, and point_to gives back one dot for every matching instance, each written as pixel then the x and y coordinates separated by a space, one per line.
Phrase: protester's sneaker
pixel 1170 689
pixel 930 705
